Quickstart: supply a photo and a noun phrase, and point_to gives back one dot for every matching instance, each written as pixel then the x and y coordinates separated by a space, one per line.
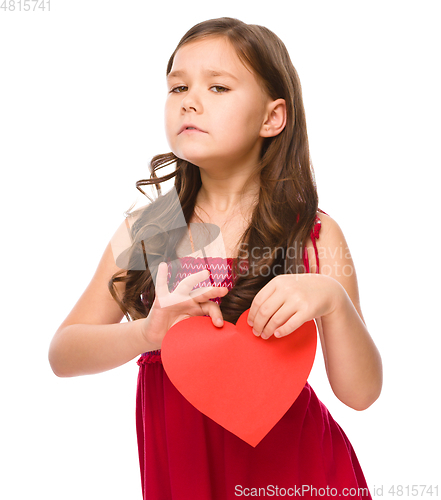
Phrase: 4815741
pixel 25 5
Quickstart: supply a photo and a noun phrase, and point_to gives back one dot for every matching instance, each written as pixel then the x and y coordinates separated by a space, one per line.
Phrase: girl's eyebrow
pixel 208 72
pixel 213 72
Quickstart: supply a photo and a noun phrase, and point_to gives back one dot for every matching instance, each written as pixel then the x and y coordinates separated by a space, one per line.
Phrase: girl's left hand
pixel 289 300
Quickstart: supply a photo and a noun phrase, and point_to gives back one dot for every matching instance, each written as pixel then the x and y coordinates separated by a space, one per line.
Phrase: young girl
pixel 236 125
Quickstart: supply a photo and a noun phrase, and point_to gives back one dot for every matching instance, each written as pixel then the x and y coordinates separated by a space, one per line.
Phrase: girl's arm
pixel 91 339
pixel 352 360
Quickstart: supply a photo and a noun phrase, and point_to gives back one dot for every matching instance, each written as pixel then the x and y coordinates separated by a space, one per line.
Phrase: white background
pixel 81 114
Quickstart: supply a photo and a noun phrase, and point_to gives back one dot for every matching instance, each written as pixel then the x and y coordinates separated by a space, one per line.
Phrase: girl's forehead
pixel 211 52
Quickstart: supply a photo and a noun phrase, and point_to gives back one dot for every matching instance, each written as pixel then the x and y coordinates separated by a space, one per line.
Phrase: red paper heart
pixel 242 382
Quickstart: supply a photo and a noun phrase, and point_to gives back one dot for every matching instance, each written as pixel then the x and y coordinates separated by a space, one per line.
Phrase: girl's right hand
pixel 171 307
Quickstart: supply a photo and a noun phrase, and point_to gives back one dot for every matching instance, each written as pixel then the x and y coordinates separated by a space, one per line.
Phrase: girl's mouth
pixel 189 128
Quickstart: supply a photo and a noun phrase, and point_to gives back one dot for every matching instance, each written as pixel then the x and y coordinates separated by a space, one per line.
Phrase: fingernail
pixel 256 333
pixel 277 334
pixel 250 322
pixel 219 322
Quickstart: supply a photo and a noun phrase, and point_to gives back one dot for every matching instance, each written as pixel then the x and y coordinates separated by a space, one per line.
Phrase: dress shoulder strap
pixel 315 234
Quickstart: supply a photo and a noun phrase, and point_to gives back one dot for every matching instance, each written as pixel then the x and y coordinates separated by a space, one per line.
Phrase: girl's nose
pixel 191 102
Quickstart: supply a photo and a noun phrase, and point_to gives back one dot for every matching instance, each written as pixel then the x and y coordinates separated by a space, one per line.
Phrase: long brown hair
pixel 287 204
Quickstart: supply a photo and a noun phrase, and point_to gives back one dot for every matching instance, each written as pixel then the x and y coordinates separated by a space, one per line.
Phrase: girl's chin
pixel 201 162
pixel 209 163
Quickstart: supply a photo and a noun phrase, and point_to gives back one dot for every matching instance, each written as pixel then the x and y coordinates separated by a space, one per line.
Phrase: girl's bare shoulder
pixel 334 256
pixel 329 241
pixel 330 231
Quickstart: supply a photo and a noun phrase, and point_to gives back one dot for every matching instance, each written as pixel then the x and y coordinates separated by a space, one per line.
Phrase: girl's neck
pixel 226 201
pixel 223 196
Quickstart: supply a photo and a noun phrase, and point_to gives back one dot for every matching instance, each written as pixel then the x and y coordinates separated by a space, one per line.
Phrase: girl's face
pixel 216 109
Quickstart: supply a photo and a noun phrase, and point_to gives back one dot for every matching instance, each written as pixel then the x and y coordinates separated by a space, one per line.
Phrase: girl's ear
pixel 276 119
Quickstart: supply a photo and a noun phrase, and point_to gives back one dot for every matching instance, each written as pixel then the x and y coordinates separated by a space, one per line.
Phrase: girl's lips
pixel 188 128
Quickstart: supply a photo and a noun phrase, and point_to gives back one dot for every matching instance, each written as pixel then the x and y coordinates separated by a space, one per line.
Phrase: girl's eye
pixel 218 89
pixel 178 90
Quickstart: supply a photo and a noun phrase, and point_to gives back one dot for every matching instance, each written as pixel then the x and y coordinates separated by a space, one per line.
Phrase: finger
pixel 260 298
pixel 161 285
pixel 213 310
pixel 195 297
pixel 266 311
pixel 290 326
pixel 279 318
pixel 187 284
pixel 205 293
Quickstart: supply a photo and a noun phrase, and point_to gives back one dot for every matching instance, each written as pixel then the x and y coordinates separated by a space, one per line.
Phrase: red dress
pixel 185 455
